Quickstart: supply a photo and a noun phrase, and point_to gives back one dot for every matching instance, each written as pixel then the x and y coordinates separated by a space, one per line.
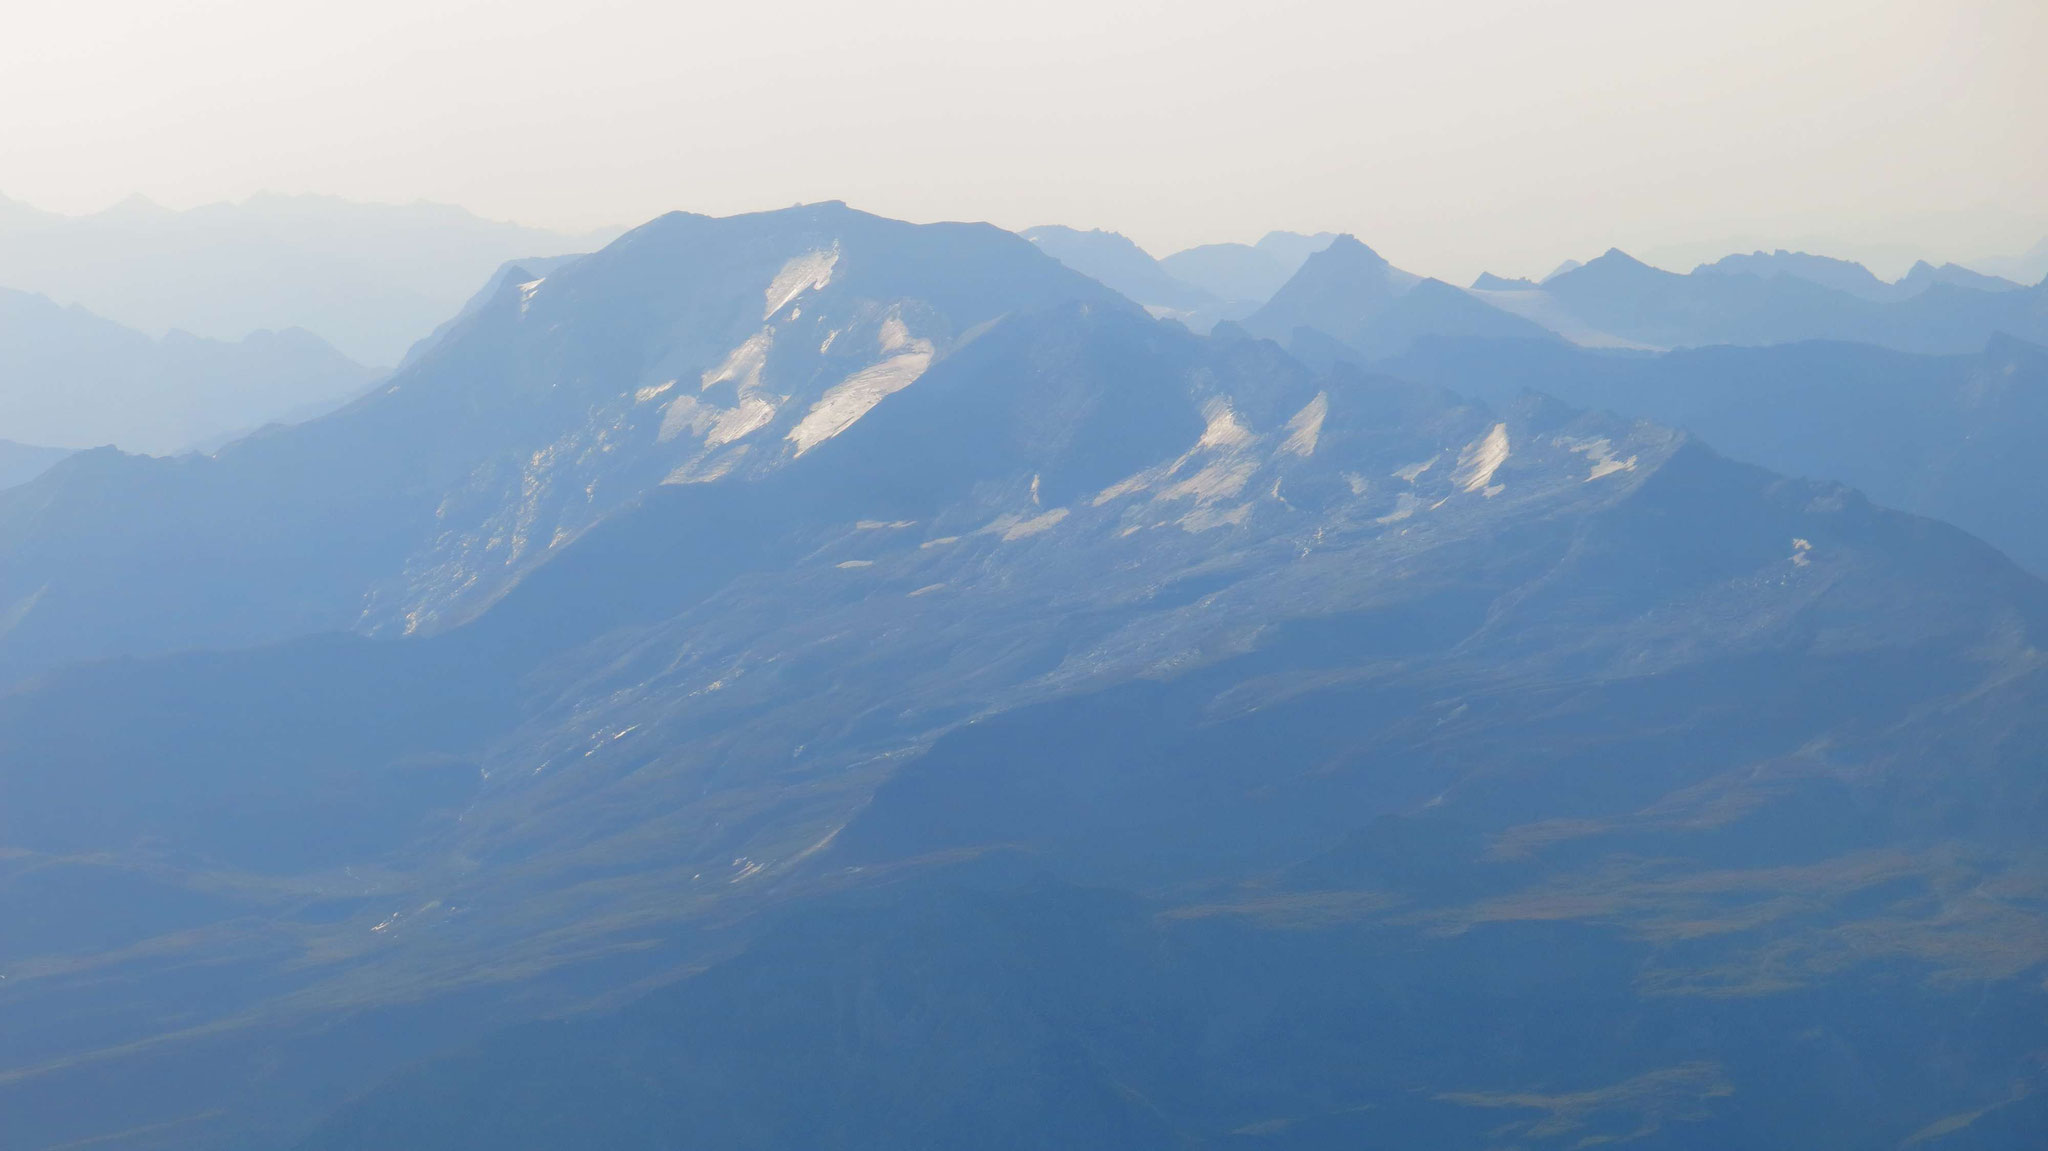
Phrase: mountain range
pixel 1952 437
pixel 810 680
pixel 73 379
pixel 1199 286
pixel 507 438
pixel 368 278
pixel 1343 290
pixel 1621 300
pixel 1855 279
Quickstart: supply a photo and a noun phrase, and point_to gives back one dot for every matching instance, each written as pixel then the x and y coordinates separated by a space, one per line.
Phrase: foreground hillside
pixel 1123 737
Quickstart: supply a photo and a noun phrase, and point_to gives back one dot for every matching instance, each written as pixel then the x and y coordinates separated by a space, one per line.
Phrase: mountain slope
pixel 1397 768
pixel 1154 612
pixel 1671 894
pixel 1043 1015
pixel 1454 742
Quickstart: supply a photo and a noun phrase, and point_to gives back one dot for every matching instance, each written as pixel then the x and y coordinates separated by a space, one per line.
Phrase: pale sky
pixel 1452 136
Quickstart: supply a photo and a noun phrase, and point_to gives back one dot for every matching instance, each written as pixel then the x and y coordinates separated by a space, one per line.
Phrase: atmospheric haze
pixel 1498 135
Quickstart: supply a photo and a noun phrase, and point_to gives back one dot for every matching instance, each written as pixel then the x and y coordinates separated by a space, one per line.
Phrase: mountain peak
pixel 137 206
pixel 1116 261
pixel 1611 265
pixel 1827 271
pixel 1488 282
pixel 1051 236
pixel 1334 291
pixel 1925 274
pixel 1347 247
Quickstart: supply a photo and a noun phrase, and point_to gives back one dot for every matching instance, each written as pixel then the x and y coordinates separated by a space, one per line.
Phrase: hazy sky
pixel 1452 136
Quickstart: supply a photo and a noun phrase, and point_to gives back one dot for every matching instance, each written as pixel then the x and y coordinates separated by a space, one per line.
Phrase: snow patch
pixel 1223 429
pixel 652 390
pixel 844 565
pixel 1800 548
pixel 750 415
pixel 894 337
pixel 847 401
pixel 1479 460
pixel 811 270
pixel 1413 472
pixel 1020 529
pixel 1306 427
pixel 704 471
pixel 718 426
pixel 743 363
pixel 1404 506
pixel 1203 518
pixel 1600 453
pixel 1125 487
pixel 1220 480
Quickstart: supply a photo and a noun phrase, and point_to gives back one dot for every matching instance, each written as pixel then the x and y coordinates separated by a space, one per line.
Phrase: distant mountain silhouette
pixel 1489 282
pixel 20 463
pixel 1853 278
pixel 1350 294
pixel 71 378
pixel 2030 267
pixel 1335 291
pixel 369 278
pixel 1199 287
pixel 1618 299
pixel 1924 275
pixel 1246 272
pixel 1118 263
pixel 1841 275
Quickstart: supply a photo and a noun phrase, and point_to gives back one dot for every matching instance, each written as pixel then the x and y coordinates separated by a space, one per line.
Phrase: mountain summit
pixel 689 349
